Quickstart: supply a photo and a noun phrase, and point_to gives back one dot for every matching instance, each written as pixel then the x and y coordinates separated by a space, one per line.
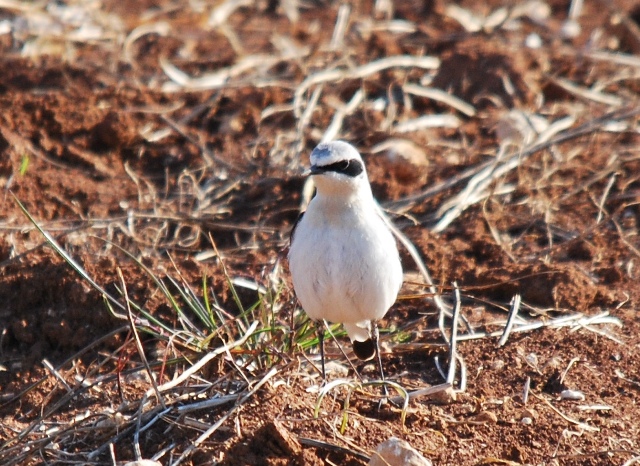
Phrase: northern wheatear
pixel 343 258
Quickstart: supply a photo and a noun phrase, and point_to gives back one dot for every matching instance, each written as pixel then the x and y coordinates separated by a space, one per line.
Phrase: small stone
pixel 336 369
pixel 533 41
pixel 486 417
pixel 530 413
pixel 570 29
pixel 396 452
pixel 444 397
pixel 532 359
pixel 497 364
pixel 574 395
pixel 519 127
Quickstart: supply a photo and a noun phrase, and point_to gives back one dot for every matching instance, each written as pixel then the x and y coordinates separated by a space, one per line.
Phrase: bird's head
pixel 337 169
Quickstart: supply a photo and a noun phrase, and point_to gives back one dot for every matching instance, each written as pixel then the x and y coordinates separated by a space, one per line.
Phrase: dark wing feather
pixel 293 230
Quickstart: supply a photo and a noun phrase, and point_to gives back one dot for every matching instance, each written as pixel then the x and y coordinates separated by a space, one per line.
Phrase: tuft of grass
pixel 201 322
pixel 250 339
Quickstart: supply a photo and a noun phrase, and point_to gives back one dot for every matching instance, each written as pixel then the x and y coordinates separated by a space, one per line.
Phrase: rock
pixel 444 397
pixel 396 452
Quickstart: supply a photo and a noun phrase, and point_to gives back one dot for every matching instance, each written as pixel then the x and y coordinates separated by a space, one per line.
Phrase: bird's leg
pixel 375 336
pixel 320 333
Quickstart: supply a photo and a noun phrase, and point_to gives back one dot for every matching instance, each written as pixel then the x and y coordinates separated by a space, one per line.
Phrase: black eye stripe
pixel 351 167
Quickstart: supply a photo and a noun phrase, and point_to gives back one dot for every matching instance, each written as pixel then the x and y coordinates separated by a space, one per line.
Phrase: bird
pixel 343 258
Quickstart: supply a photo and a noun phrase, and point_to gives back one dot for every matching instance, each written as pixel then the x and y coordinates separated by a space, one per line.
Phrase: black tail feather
pixel 364 350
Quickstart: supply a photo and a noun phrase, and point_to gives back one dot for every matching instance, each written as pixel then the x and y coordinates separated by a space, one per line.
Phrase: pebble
pixel 575 395
pixel 396 452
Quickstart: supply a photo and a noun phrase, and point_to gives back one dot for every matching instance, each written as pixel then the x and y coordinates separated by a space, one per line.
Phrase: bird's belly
pixel 346 277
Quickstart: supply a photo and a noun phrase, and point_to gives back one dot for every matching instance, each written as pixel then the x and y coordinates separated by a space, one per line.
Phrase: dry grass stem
pixel 335 127
pixel 220 14
pixel 207 404
pixel 204 360
pixel 160 28
pixel 570 420
pixel 342 20
pixel 331 447
pixel 631 461
pixel 526 390
pixel 603 199
pixel 335 75
pixel 589 94
pixel 511 318
pixel 440 96
pixel 136 338
pixel 427 391
pixel 57 375
pixel 475 190
pixel 621 59
pixel 453 340
pixel 219 79
pixel 21 6
pixel 241 401
pixel 427 121
pixel 574 320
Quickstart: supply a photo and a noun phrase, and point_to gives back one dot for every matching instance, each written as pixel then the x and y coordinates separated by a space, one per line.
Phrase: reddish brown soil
pixel 75 121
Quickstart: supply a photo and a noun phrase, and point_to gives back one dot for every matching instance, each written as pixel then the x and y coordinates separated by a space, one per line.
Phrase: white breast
pixel 344 264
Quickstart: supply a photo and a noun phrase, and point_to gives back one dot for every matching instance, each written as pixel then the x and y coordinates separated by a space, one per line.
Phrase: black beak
pixel 315 170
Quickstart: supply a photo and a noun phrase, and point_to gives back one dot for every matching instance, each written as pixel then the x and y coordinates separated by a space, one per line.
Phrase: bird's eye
pixel 346 167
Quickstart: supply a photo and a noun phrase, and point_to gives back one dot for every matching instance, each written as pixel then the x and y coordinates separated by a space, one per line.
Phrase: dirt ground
pixel 165 140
